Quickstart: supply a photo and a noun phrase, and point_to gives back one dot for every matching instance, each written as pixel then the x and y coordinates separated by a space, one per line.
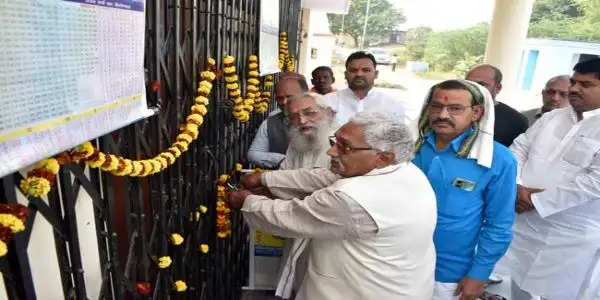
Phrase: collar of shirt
pixel 385 170
pixel 455 143
pixel 538 113
pixel 353 96
pixel 591 113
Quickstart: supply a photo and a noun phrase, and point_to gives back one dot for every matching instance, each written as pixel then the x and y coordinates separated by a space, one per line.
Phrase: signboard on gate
pixel 70 71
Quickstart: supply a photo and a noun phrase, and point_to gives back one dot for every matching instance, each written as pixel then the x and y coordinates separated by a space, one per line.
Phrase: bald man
pixel 554 95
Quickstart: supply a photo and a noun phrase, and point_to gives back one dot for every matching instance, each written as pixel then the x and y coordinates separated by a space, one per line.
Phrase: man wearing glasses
pixel 370 217
pixel 474 179
pixel 554 95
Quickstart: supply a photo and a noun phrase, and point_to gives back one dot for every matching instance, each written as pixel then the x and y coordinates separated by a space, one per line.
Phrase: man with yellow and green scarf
pixel 474 179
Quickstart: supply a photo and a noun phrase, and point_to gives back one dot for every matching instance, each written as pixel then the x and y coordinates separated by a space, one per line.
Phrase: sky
pixel 445 14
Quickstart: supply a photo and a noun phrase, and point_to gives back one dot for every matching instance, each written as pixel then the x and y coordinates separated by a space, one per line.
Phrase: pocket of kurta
pixel 582 152
pixel 455 201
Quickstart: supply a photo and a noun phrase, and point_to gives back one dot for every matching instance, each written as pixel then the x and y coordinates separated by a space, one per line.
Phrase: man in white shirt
pixel 361 71
pixel 556 247
pixel 271 141
pixel 370 217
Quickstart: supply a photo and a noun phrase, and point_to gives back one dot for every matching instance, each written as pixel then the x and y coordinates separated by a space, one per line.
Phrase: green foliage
pixel 566 20
pixel 464 65
pixel 383 18
pixel 401 56
pixel 416 40
pixel 445 49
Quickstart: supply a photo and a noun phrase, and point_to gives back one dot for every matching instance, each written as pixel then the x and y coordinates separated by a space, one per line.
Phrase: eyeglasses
pixel 307 113
pixel 344 149
pixel 453 109
pixel 552 92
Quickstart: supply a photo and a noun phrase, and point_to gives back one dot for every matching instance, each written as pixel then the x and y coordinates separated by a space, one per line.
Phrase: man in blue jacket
pixel 474 179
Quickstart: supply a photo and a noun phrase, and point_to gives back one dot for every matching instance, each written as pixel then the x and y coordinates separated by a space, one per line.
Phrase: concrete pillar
pixel 305 34
pixel 505 40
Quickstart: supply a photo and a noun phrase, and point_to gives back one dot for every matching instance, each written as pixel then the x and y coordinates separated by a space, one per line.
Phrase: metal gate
pixel 135 217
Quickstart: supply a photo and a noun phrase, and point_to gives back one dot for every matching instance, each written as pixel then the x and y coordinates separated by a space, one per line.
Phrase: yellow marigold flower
pixel 252 66
pixel 222 234
pixel 199 109
pixel 164 262
pixel 208 75
pixel 202 90
pixel 176 239
pixel 227 210
pixel 228 60
pixel 231 78
pixel 163 162
pixel 175 151
pixel 136 168
pixel 204 248
pixel 248 102
pixel 234 93
pixel 253 81
pixel 232 86
pixel 268 84
pixel 3 248
pixel 84 150
pixel 126 170
pixel 248 107
pixel 11 221
pixel 195 119
pixel 96 163
pixel 50 164
pixel 148 168
pixel 157 166
pixel 252 58
pixel 169 157
pixel 35 186
pixel 206 83
pixel 184 137
pixel 244 119
pixel 181 145
pixel 222 179
pixel 114 163
pixel 229 70
pixel 179 286
pixel 238 100
pixel 266 94
pixel 211 61
pixel 203 209
pixel 253 73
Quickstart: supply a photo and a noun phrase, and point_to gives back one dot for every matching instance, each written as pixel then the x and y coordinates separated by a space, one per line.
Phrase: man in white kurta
pixel 370 219
pixel 361 95
pixel 556 245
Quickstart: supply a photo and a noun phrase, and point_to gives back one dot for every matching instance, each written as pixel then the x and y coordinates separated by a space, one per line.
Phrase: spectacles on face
pixel 453 109
pixel 552 92
pixel 308 113
pixel 344 149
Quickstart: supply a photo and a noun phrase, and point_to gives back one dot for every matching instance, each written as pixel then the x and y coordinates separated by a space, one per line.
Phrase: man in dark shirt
pixel 509 122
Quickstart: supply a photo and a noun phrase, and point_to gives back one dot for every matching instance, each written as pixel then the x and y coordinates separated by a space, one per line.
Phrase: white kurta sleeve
pixel 298 183
pixel 324 214
pixel 521 145
pixel 582 187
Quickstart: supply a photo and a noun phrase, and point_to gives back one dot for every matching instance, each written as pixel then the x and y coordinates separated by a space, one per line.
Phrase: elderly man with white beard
pixel 370 217
pixel 311 123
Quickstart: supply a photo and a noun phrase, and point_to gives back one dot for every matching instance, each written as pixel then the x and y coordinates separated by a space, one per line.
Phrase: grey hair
pixel 319 99
pixel 386 133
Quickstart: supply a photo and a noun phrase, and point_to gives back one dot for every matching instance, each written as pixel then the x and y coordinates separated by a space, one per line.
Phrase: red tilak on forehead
pixel 445 98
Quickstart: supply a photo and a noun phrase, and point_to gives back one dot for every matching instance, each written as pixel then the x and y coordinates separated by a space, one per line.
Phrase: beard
pixel 315 140
pixel 359 82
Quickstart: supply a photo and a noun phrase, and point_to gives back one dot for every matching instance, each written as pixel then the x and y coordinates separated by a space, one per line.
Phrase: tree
pixel 416 40
pixel 445 49
pixel 566 20
pixel 383 18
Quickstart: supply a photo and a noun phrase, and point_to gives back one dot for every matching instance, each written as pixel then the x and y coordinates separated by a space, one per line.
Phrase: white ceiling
pixel 330 6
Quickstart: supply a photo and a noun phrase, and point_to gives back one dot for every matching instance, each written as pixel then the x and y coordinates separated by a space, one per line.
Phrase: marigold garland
pixel 40 180
pixel 253 94
pixel 223 211
pixel 283 49
pixel 12 221
pixel 241 108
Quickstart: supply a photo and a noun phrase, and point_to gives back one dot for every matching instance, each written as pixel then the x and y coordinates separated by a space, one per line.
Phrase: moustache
pixel 575 94
pixel 439 121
